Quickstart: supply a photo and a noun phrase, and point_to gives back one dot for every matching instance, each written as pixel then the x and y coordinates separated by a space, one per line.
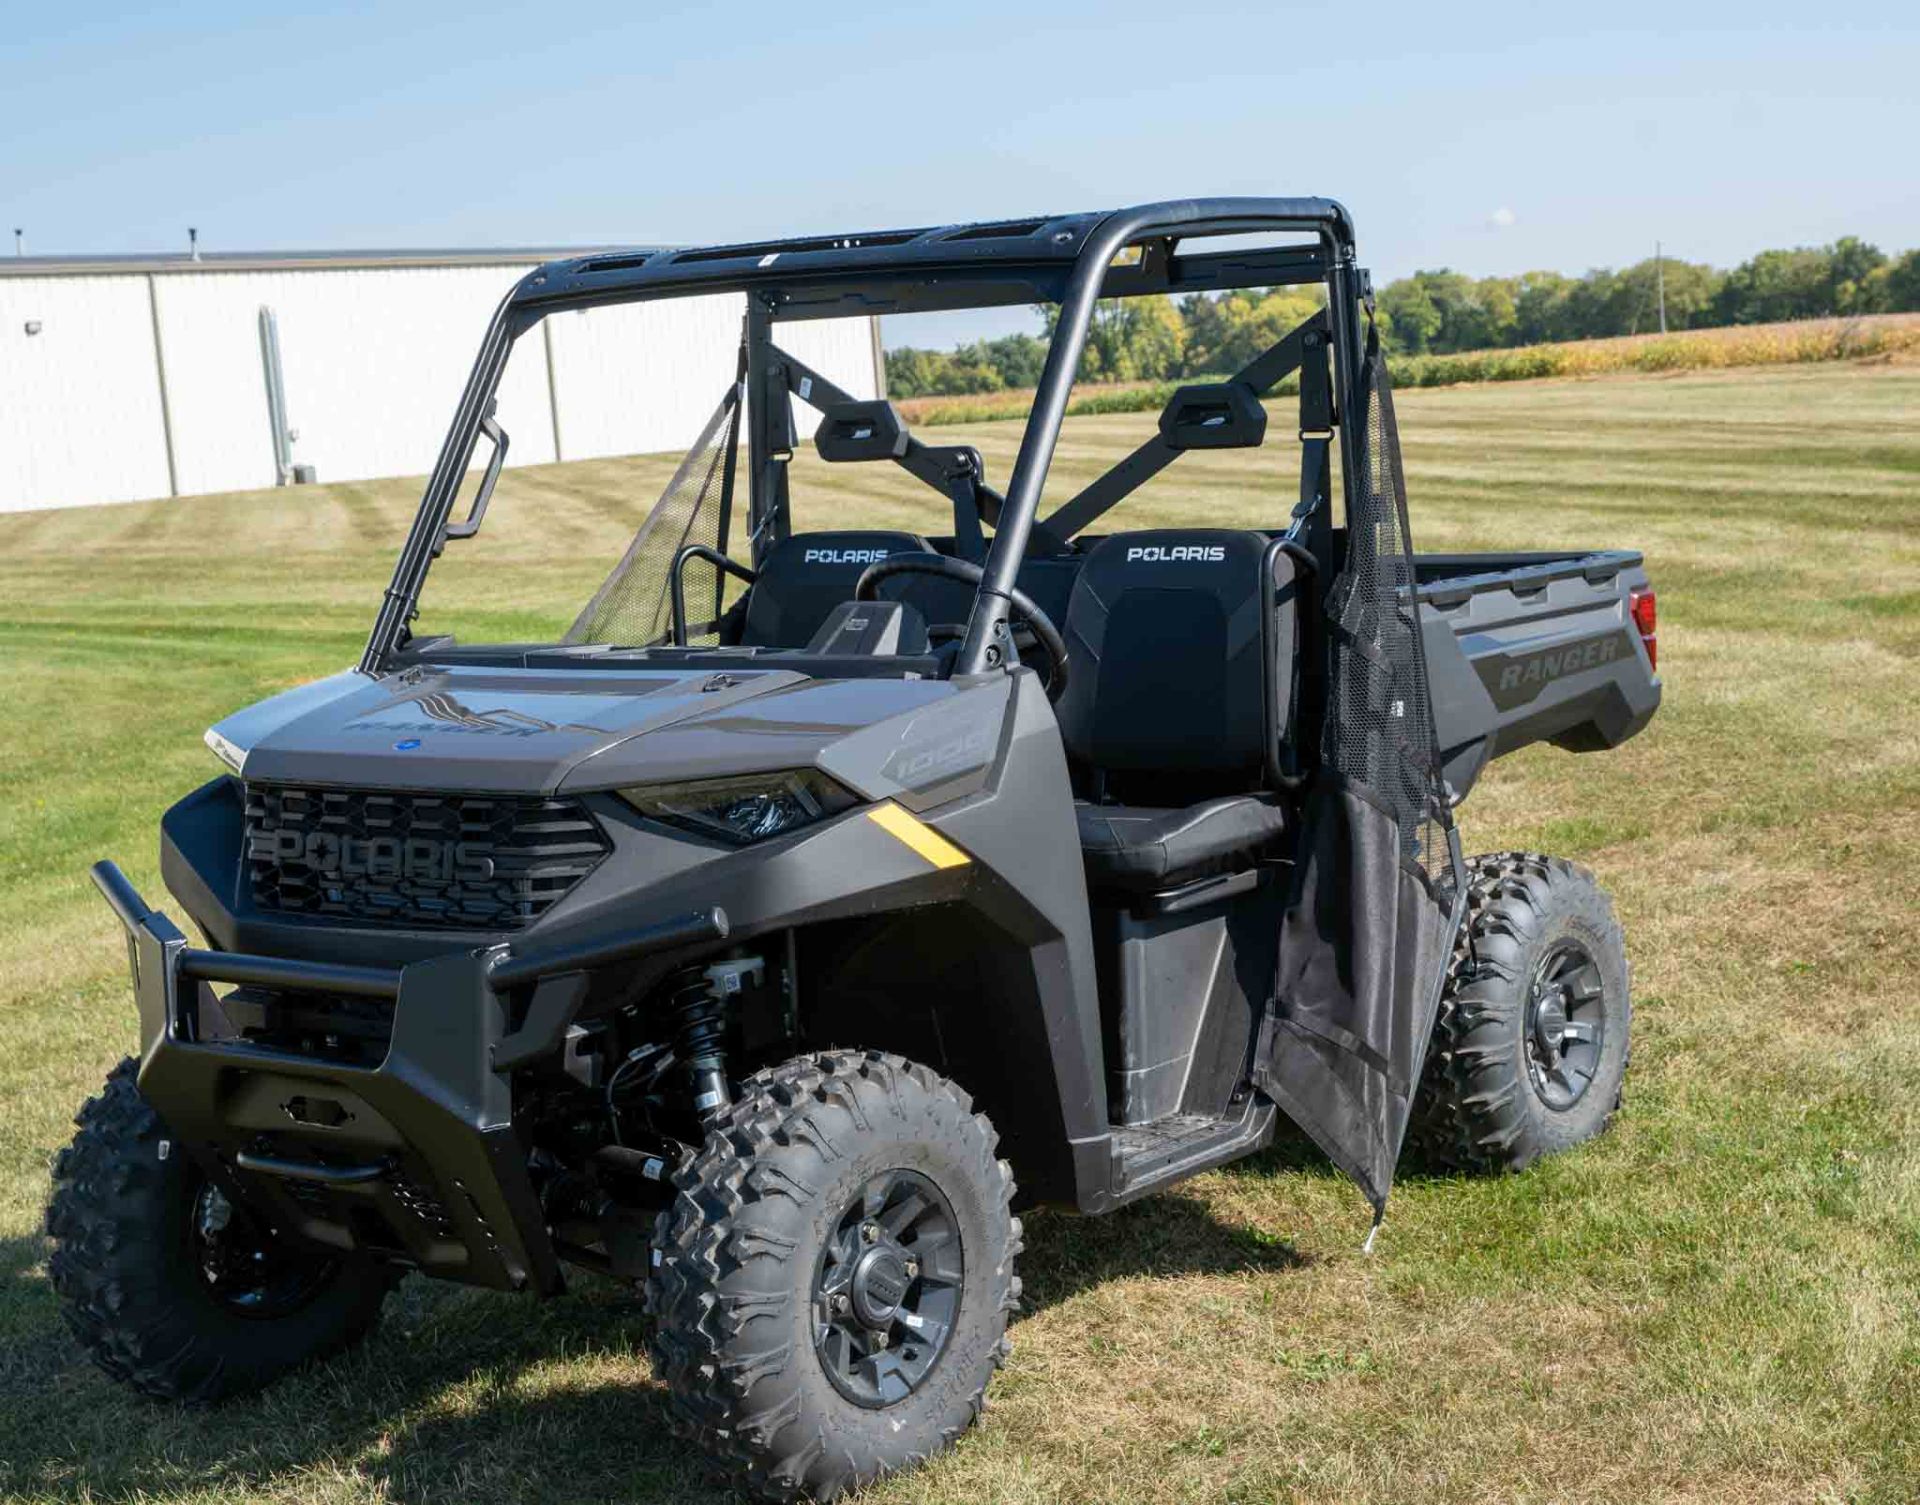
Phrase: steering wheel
pixel 1052 645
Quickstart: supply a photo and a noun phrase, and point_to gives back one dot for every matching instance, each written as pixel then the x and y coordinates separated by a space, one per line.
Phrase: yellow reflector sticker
pixel 917 834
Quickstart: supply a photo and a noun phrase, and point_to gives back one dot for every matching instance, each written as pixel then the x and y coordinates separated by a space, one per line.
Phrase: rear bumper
pixel 415 1158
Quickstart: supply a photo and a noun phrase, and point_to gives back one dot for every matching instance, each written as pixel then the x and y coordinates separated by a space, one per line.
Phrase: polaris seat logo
pixel 844 556
pixel 382 858
pixel 1180 553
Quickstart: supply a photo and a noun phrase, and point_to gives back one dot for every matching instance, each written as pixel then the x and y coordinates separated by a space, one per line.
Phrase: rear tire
pixel 133 1253
pixel 833 1281
pixel 1530 1048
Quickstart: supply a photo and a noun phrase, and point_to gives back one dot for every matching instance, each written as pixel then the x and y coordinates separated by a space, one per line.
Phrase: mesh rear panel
pixel 633 608
pixel 1379 728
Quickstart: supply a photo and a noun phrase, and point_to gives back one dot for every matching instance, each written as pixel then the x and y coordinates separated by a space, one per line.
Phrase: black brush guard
pixel 416 1158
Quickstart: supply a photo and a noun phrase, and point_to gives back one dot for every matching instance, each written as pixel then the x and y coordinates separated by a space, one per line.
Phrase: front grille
pixel 482 862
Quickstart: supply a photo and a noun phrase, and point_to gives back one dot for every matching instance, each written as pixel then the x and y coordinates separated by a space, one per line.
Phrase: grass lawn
pixel 1720 1300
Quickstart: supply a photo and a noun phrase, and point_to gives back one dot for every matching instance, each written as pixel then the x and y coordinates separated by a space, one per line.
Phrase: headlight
pixel 747 808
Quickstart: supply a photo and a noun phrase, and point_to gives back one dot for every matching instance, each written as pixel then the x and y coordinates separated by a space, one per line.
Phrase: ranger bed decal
pixel 1515 678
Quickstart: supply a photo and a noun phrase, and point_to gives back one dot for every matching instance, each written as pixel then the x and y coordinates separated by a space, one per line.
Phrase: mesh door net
pixel 634 606
pixel 1379 729
pixel 1368 925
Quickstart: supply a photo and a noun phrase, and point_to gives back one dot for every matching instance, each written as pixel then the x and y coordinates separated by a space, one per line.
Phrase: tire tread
pixel 1470 1114
pixel 698 1242
pixel 108 1264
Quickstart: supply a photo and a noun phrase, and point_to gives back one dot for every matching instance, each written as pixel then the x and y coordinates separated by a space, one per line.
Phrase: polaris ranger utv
pixel 751 940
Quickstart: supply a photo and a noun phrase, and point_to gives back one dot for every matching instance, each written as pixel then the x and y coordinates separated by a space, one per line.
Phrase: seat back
pixel 1047 581
pixel 1176 668
pixel 806 575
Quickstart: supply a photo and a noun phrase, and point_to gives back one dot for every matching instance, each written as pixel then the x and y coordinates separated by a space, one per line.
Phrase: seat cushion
pixel 1139 849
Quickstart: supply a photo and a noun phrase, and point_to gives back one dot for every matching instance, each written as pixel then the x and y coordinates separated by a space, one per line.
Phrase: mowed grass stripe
pixel 1715 1302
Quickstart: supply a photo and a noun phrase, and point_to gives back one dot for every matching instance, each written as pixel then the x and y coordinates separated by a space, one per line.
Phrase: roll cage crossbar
pixel 1302 349
pixel 1071 260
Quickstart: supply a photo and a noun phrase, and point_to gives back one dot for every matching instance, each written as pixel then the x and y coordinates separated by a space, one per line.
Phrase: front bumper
pixel 415 1158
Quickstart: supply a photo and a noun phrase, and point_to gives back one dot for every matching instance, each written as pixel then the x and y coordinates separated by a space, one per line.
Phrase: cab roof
pixel 960 265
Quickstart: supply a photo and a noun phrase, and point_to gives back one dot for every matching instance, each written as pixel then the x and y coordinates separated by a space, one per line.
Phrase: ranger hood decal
pixel 503 731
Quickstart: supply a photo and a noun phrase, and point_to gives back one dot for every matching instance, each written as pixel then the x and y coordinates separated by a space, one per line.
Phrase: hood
pixel 501 731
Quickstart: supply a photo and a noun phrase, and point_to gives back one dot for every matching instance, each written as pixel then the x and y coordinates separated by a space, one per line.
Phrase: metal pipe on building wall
pixel 160 374
pixel 276 397
pixel 553 388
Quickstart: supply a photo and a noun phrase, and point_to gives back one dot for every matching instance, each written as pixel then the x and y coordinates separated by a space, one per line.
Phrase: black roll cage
pixel 1071 260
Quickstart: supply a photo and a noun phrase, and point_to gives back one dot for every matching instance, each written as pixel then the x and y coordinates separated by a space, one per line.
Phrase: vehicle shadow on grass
pixel 21 1260
pixel 1168 1235
pixel 605 1438
pixel 458 1396
pixel 470 1396
pixel 24 1365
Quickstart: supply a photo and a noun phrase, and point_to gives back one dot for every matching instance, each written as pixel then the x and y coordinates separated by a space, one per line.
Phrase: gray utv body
pixel 432 900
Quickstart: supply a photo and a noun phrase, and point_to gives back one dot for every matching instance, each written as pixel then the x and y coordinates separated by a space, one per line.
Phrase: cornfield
pixel 1867 337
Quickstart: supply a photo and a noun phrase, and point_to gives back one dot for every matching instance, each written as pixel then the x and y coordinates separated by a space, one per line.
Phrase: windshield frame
pixel 1068 260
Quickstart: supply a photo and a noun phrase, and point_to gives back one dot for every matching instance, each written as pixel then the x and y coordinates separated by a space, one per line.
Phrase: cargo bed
pixel 1534 647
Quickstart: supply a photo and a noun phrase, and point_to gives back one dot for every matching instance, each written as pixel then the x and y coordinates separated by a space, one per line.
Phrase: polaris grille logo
pixel 382 858
pixel 1180 553
pixel 844 556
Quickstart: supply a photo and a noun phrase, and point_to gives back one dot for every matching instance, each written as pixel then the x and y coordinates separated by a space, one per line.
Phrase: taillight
pixel 1646 617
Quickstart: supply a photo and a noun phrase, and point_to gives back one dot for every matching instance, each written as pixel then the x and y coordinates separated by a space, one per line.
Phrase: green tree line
pixel 1436 313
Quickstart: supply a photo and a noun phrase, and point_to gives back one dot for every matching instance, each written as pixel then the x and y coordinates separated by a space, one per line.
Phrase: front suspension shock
pixel 696 998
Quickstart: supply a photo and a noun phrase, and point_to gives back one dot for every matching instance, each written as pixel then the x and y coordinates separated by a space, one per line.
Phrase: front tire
pixel 172 1289
pixel 1530 1048
pixel 833 1281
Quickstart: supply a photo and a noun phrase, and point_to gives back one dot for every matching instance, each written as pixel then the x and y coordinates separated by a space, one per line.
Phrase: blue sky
pixel 1491 138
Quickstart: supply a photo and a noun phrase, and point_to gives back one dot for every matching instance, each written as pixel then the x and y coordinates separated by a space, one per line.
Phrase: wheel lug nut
pixel 869 1233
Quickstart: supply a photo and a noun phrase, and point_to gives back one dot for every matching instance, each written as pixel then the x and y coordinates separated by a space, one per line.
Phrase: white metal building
pixel 128 378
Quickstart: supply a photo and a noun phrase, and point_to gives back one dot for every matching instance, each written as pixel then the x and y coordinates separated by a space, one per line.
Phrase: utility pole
pixel 1660 282
pixel 19 241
